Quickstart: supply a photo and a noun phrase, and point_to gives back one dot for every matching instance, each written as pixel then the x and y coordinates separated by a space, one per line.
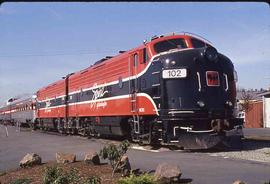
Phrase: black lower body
pixel 86 126
pixel 188 133
pixel 227 139
pixel 195 132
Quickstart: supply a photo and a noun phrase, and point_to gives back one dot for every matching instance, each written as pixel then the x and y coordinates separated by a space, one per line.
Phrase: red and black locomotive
pixel 174 89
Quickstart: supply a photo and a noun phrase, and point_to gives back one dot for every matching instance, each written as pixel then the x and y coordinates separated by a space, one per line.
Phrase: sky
pixel 42 42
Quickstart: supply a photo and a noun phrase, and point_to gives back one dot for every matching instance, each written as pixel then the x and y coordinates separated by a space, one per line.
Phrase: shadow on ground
pixel 246 145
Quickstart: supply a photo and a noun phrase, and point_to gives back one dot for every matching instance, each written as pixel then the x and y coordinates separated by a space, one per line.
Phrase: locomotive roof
pixel 23 99
pixel 51 85
pixel 103 61
pixel 148 44
pixel 122 54
pixel 181 34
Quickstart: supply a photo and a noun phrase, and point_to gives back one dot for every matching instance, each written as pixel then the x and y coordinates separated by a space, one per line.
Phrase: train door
pixel 134 89
pixel 66 103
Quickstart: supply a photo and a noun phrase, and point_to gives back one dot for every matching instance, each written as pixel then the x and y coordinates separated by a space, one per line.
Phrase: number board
pixel 174 73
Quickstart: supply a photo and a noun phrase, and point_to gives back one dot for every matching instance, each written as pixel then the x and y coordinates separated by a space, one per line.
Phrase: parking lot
pixel 201 167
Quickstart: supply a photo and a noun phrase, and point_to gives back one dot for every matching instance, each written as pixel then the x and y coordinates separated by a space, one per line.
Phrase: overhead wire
pixel 54 54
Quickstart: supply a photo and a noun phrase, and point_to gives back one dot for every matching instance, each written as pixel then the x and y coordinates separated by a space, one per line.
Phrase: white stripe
pixel 149 98
pixel 141 148
pixel 125 79
pixel 48 99
pixel 46 108
pixel 100 100
pixel 115 82
pixel 106 99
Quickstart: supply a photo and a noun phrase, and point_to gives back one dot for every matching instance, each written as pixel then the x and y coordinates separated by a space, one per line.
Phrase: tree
pixel 114 154
pixel 245 100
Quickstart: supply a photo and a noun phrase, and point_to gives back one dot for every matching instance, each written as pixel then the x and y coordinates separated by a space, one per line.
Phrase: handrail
pixel 188 129
pixel 226 79
pixel 196 35
pixel 199 81
pixel 185 33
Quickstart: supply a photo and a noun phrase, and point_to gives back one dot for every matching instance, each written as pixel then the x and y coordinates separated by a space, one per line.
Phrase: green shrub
pixel 51 174
pixel 61 180
pixel 21 181
pixel 92 180
pixel 114 153
pixel 72 176
pixel 141 179
pixel 55 175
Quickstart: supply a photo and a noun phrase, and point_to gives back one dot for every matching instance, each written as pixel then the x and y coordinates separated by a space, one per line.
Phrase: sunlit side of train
pixel 174 89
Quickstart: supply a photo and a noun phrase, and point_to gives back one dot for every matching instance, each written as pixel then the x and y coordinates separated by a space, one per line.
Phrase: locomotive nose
pixel 196 80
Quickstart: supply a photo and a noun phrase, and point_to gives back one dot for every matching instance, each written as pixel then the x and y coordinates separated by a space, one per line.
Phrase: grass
pixel 141 179
pixel 56 175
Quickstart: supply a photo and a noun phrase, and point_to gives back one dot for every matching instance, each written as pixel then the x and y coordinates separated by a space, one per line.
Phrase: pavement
pixel 257 133
pixel 200 167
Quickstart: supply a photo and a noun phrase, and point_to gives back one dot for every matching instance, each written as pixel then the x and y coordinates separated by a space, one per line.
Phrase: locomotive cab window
pixel 166 45
pixel 145 56
pixel 198 44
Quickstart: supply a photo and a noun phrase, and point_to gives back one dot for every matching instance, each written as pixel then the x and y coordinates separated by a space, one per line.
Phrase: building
pixel 258 113
pixel 254 115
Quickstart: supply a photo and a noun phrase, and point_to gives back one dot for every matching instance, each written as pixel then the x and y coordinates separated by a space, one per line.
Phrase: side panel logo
pixel 97 94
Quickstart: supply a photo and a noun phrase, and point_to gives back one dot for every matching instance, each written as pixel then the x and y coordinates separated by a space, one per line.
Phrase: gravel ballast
pixel 252 150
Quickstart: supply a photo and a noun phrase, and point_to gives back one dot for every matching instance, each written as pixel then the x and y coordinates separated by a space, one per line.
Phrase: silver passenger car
pixel 19 110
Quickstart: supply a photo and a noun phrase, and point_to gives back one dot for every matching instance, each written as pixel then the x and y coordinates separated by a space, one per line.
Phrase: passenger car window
pixel 170 44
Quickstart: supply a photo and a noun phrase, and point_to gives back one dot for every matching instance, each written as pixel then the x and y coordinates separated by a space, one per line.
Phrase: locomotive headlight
pixel 201 104
pixel 211 53
pixel 229 103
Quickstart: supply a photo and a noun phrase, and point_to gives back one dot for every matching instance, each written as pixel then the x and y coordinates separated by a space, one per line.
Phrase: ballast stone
pixel 92 158
pixel 167 173
pixel 65 157
pixel 30 159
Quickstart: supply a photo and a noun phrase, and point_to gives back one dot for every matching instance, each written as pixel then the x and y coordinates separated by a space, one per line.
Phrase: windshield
pixel 198 44
pixel 170 44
